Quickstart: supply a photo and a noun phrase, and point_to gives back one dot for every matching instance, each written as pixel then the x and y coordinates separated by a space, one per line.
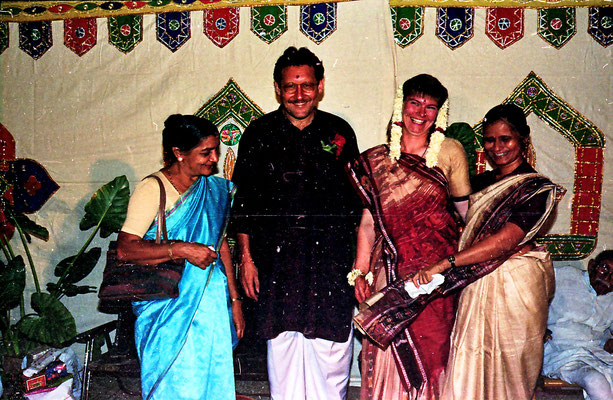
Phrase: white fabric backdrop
pixel 89 119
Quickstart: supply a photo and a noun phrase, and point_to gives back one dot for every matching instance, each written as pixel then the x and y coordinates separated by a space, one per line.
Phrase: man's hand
pixel 249 279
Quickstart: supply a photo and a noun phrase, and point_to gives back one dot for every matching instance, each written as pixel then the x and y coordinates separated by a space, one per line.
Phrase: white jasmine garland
pixel 436 139
pixel 356 273
pixel 396 130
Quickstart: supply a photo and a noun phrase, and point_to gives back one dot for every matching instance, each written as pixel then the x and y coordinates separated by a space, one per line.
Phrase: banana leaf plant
pixel 51 322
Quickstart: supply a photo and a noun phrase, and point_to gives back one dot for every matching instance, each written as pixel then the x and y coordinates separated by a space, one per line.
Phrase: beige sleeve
pixel 453 162
pixel 144 203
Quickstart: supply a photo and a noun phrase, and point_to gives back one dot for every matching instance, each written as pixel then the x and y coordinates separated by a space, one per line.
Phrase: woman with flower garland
pixel 407 188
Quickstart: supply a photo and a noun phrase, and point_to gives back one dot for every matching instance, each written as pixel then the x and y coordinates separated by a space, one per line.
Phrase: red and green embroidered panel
pixel 125 32
pixel 80 34
pixel 408 24
pixel 533 95
pixel 557 25
pixel 231 110
pixel 504 26
pixel 269 22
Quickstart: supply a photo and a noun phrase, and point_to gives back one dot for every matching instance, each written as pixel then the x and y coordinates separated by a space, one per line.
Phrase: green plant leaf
pixel 465 134
pixel 12 283
pixel 54 324
pixel 108 206
pixel 81 268
pixel 30 227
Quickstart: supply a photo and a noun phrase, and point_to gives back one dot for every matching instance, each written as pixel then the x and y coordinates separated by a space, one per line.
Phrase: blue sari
pixel 185 344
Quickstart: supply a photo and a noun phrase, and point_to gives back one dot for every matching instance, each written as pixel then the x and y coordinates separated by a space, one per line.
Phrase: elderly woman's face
pixel 502 145
pixel 202 159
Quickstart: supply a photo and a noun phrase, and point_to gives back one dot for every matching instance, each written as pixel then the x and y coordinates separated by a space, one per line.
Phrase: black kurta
pixel 295 202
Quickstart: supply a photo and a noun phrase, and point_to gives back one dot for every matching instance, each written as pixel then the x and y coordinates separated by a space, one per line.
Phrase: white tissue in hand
pixel 413 291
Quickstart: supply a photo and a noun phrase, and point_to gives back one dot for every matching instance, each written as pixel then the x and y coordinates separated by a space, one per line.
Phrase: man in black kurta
pixel 296 214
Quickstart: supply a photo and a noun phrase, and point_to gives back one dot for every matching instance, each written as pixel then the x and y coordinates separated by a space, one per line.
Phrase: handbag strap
pixel 161 234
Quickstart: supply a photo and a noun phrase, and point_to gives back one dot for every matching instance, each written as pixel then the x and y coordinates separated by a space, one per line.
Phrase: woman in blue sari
pixel 185 344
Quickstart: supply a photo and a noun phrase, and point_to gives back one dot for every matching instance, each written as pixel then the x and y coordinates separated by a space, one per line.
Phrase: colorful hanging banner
pixel 47 10
pixel 80 34
pixel 601 25
pixel 269 22
pixel 318 21
pixel 32 185
pixel 557 25
pixel 221 25
pixel 125 32
pixel 454 26
pixel 504 26
pixel 408 24
pixel 173 29
pixel 35 38
pixel 4 36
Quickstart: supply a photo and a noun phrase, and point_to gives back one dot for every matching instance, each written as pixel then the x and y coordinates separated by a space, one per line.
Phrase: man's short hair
pixel 292 57
pixel 602 256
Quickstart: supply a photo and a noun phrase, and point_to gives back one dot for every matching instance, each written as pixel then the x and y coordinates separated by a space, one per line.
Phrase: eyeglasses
pixel 307 87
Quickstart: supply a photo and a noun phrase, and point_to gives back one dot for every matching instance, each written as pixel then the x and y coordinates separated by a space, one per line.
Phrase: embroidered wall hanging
pixel 532 95
pixel 557 25
pixel 48 10
pixel 228 163
pixel 454 26
pixel 504 26
pixel 269 22
pixel 80 34
pixel 231 110
pixel 601 25
pixel 35 38
pixel 407 23
pixel 221 25
pixel 4 36
pixel 24 183
pixel 173 29
pixel 318 21
pixel 125 32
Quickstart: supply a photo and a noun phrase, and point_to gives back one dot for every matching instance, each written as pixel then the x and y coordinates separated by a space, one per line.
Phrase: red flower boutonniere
pixel 336 146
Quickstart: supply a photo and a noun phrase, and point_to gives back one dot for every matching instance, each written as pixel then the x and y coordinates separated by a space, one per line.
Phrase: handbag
pixel 131 281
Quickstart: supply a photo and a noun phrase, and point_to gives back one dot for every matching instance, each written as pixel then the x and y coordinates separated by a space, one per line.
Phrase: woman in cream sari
pixel 497 340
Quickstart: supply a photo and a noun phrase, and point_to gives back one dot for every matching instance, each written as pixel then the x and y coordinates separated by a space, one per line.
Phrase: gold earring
pixel 180 159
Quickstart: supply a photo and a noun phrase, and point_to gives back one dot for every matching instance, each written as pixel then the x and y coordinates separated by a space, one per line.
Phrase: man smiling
pixel 295 214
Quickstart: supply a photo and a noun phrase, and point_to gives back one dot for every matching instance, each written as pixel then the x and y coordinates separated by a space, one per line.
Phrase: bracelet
pixel 170 251
pixel 356 273
pixel 233 299
pixel 451 260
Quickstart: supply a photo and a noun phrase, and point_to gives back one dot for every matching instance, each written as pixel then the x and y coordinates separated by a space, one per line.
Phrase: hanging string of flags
pixel 454 27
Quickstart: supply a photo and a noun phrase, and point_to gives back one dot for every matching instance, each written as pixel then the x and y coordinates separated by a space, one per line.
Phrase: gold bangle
pixel 170 251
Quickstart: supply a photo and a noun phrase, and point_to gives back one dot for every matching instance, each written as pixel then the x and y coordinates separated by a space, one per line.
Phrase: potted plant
pixel 50 322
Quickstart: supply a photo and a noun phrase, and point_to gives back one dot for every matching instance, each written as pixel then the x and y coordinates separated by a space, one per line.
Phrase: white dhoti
pixel 310 369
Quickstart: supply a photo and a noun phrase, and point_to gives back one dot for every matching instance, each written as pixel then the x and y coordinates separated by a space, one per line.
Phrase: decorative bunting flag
pixel 408 23
pixel 35 38
pixel 454 26
pixel 318 21
pixel 221 25
pixel 125 32
pixel 32 185
pixel 556 25
pixel 601 25
pixel 173 29
pixel 80 34
pixel 269 22
pixel 4 36
pixel 504 26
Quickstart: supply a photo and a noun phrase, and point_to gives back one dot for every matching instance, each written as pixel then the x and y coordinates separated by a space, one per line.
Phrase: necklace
pixel 172 182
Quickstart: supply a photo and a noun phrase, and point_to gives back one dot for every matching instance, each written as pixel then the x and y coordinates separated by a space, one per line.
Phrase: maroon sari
pixel 409 203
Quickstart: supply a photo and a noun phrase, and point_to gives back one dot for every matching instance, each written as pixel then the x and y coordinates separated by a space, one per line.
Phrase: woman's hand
pixel 424 275
pixel 237 317
pixel 362 289
pixel 198 254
